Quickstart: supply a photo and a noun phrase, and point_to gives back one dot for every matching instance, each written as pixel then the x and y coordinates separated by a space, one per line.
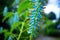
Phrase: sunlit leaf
pixel 24 5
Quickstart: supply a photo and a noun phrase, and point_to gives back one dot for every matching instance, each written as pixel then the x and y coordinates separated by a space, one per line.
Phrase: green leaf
pixel 26 15
pixel 24 5
pixel 14 25
pixel 9 14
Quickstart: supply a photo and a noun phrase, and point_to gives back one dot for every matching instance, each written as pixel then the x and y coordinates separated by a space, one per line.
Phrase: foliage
pixel 51 29
pixel 22 19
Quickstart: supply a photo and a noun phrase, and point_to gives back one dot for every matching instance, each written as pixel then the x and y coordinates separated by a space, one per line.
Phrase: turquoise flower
pixel 10 38
pixel 35 16
pixel 1 28
pixel 5 11
pixel 17 1
pixel 14 18
pixel 33 20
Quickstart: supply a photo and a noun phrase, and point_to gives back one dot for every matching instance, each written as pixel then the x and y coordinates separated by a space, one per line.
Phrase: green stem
pixel 31 33
pixel 20 31
pixel 31 36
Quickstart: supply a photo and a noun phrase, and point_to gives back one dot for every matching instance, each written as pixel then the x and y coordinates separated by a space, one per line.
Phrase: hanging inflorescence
pixel 36 11
pixel 35 16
